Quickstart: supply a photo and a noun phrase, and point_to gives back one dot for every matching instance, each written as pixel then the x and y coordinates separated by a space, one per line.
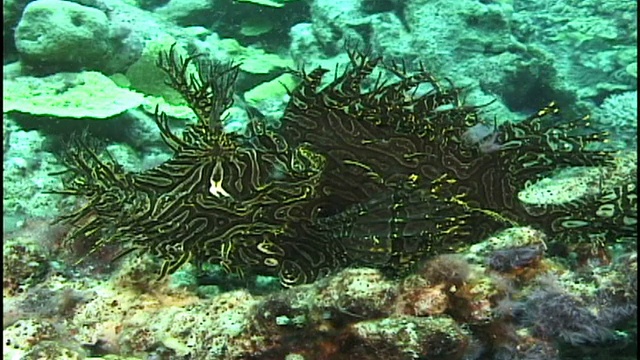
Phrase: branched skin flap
pixel 381 178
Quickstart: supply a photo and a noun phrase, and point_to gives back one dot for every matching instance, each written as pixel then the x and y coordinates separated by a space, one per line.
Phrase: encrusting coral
pixel 380 177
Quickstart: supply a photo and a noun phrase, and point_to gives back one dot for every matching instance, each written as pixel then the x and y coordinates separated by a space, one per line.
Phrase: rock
pixel 62 34
pixel 409 338
pixel 11 11
pixel 185 12
pixel 24 262
pixel 359 292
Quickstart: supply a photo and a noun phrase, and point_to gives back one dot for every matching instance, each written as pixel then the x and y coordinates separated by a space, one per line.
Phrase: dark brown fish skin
pixel 380 177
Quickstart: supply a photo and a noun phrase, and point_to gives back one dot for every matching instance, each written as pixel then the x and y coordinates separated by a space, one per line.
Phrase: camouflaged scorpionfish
pixel 382 177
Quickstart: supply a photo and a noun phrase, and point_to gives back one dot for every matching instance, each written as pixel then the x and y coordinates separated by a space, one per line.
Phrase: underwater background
pixel 86 78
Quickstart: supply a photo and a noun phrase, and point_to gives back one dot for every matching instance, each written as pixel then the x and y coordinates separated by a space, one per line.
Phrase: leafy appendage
pixel 360 171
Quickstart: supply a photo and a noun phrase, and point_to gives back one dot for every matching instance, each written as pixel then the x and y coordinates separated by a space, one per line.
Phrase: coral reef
pixel 448 309
pixel 407 217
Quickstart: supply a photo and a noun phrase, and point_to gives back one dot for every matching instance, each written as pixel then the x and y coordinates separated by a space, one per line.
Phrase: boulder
pixel 62 35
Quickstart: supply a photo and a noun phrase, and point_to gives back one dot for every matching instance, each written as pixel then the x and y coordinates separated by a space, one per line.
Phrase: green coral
pixel 87 94
pixel 254 60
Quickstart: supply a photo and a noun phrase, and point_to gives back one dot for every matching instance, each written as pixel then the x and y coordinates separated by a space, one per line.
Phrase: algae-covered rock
pixel 431 337
pixel 62 33
pixel 21 337
pixel 562 186
pixel 24 262
pixel 87 94
pixel 52 350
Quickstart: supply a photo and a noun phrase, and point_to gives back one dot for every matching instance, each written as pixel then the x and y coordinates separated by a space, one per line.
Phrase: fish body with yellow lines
pixel 382 178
